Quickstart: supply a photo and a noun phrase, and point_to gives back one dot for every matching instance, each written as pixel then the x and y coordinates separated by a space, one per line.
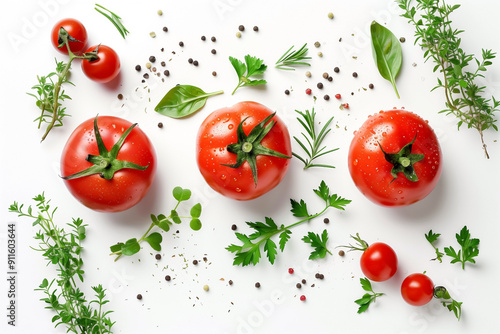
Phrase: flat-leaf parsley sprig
pixel 369 297
pixel 249 252
pixel 314 140
pixel 64 250
pixel 292 58
pixel 442 44
pixel 253 66
pixel 163 222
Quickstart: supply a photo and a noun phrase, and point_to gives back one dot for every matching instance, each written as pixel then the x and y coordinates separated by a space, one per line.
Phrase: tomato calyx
pixel 64 37
pixel 106 163
pixel 92 55
pixel 360 246
pixel 403 161
pixel 249 147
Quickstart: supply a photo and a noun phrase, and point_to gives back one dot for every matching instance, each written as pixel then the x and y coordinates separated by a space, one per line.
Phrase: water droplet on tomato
pixel 223 177
pixel 237 190
pixel 355 162
pixel 230 126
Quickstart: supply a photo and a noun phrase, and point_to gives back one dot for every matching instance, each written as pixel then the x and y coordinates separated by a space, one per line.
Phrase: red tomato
pixel 417 289
pixel 126 187
pixel 76 30
pixel 406 179
pixel 103 69
pixel 379 262
pixel 219 131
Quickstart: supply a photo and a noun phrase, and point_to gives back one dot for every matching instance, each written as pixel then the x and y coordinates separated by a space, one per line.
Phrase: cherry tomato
pixel 76 30
pixel 105 67
pixel 107 189
pixel 417 289
pixel 395 158
pixel 379 262
pixel 219 147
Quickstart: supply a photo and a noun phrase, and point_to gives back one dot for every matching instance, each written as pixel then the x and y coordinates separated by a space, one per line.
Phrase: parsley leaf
pixel 469 248
pixel 441 293
pixel 252 66
pixel 318 243
pixel 369 297
pixel 299 209
pixel 431 238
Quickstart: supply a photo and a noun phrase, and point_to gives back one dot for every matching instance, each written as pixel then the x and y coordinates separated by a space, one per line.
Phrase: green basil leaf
pixel 387 53
pixel 183 100
pixel 154 239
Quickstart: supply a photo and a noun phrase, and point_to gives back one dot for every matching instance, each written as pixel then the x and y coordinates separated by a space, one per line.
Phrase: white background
pixel 467 193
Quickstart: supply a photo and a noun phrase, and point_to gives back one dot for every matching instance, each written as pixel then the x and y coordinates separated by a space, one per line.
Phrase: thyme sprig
pixel 115 19
pixel 293 58
pixel 442 44
pixel 64 250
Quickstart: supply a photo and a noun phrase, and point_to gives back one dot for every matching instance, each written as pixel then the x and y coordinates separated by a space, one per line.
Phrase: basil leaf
pixel 183 100
pixel 386 52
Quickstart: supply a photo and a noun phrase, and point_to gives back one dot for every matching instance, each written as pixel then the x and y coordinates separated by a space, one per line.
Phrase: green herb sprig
pixel 441 293
pixel 163 222
pixel 249 252
pixel 440 40
pixel 432 238
pixel 64 250
pixel 369 297
pixel 314 140
pixel 318 242
pixel 183 100
pixel 253 66
pixel 292 58
pixel 115 19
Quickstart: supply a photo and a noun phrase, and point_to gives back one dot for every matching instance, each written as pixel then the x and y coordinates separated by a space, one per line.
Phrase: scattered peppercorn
pixel 234 227
pixel 255 28
pixel 303 298
pixel 146 76
pixel 308 74
pixel 190 60
pixel 205 258
pixel 165 29
pixel 230 282
pixel 241 27
pixel 148 65
pixel 181 44
pixel 163 64
pixel 298 285
pixel 160 125
pixel 154 69
pixel 287 92
pixel 213 39
pixel 341 253
pixel 203 38
pixel 338 96
pixel 158 256
pixel 166 72
pixel 330 79
pixel 317 44
pixel 346 105
pixel 206 287
pixel 257 285
pixel 195 63
pixel 370 86
pixel 139 296
pixel 336 70
pixel 354 74
pixel 326 220
pixel 308 91
pixel 160 12
pixel 152 59
pixel 303 281
pixel 238 34
pixel 402 39
pixel 330 15
pixel 320 54
pixel 326 97
pixel 319 85
pixel 137 67
pixel 195 262
pixel 214 73
pixel 325 75
pixel 152 34
pixel 167 278
pixel 120 96
pixel 213 51
pixel 290 270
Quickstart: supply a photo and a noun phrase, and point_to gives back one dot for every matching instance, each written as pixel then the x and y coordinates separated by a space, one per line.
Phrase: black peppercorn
pixel 137 67
pixel 152 59
pixel 319 85
pixel 165 29
pixel 336 70
pixel 203 38
pixel 181 44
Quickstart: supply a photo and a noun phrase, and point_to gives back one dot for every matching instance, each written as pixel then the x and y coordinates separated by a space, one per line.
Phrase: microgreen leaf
pixel 130 247
pixel 368 298
pixel 183 100
pixel 196 211
pixel 195 224
pixel 181 194
pixel 154 240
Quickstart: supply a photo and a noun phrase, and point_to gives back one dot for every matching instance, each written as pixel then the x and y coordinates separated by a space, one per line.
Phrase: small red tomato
pixel 243 151
pixel 379 262
pixel 108 164
pixel 417 289
pixel 395 158
pixel 77 39
pixel 104 67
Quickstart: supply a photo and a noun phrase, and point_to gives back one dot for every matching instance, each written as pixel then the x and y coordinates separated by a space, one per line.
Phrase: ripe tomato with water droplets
pixel 243 151
pixel 395 158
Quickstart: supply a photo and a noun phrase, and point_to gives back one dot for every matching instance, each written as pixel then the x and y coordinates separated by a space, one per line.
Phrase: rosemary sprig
pixel 115 19
pixel 64 250
pixel 293 58
pixel 441 42
pixel 313 149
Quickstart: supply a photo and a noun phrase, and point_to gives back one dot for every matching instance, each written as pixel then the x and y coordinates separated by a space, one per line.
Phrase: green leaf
pixel 130 247
pixel 154 240
pixel 254 66
pixel 175 217
pixel 299 209
pixel 368 298
pixel 181 194
pixel 239 66
pixel 270 249
pixel 183 100
pixel 318 243
pixel 323 191
pixel 284 237
pixel 293 58
pixel 196 211
pixel 386 52
pixel 116 248
pixel 195 224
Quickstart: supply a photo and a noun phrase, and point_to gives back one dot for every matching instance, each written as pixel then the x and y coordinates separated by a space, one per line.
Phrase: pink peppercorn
pixel 303 298
pixel 308 91
pixel 338 96
pixel 290 270
pixel 346 105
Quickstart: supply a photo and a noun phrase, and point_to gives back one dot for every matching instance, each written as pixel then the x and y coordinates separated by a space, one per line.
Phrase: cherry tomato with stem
pixel 103 65
pixel 77 36
pixel 378 262
pixel 108 164
pixel 243 151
